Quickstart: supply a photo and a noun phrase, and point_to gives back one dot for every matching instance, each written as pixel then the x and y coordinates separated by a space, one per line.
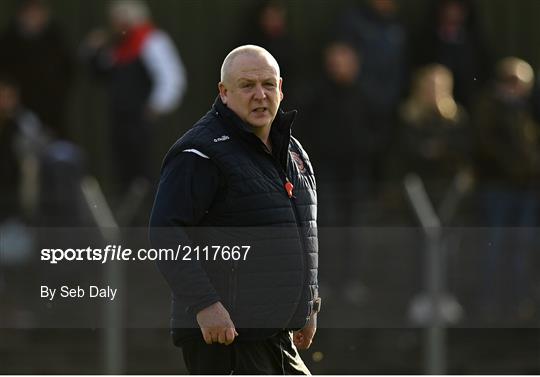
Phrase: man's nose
pixel 259 92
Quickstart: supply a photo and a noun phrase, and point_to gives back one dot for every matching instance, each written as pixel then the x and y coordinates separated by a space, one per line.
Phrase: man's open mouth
pixel 260 109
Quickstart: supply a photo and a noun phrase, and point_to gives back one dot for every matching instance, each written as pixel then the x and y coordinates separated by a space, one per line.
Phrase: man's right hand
pixel 216 325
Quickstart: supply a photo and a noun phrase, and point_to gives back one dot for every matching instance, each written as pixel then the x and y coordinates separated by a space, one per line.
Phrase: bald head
pixel 250 86
pixel 128 12
pixel 246 50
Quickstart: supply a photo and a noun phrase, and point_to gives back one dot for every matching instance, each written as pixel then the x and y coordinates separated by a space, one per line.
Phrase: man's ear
pixel 222 92
pixel 280 91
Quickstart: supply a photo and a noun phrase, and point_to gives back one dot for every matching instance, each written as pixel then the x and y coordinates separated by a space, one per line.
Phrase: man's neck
pixel 264 134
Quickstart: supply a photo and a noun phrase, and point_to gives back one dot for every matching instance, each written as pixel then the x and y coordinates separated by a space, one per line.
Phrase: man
pixel 239 167
pixel 508 165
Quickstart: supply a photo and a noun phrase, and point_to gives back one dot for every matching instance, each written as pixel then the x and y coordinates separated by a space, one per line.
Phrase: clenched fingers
pixel 219 335
pixel 207 336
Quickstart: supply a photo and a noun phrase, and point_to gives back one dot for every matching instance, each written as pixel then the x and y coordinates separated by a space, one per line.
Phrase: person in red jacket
pixel 145 79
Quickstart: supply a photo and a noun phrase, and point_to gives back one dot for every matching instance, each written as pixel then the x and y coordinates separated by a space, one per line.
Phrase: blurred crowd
pixel 443 109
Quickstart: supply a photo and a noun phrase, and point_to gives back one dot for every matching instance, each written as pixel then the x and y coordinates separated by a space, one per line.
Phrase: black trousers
pixel 275 355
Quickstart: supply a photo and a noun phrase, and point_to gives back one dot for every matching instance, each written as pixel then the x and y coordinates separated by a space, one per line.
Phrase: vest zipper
pixel 300 236
pixel 288 188
pixel 286 182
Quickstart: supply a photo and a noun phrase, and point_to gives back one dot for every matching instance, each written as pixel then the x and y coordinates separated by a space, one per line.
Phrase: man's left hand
pixel 302 338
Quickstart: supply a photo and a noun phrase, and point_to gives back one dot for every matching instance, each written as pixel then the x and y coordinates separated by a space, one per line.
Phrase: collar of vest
pixel 280 131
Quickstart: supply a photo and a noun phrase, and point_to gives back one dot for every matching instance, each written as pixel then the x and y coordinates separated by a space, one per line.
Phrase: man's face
pixel 342 64
pixel 118 24
pixel 33 18
pixel 252 90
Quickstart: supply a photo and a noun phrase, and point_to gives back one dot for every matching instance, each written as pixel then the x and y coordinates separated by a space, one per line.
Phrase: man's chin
pixel 259 123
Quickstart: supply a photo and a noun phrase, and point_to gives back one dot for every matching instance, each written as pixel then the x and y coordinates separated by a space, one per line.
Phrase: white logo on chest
pixel 221 138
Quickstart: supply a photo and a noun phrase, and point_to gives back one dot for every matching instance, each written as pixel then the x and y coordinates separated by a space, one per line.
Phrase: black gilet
pixel 274 287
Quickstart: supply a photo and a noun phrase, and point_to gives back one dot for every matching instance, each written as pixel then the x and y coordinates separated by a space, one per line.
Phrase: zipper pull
pixel 289 188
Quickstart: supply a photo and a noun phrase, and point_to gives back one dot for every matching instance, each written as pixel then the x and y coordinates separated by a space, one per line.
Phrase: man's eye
pixel 246 85
pixel 270 85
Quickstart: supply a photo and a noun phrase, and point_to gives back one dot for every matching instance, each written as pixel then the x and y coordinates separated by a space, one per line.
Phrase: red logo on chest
pixel 299 162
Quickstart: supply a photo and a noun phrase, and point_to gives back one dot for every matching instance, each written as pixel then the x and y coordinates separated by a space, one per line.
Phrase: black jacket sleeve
pixel 186 190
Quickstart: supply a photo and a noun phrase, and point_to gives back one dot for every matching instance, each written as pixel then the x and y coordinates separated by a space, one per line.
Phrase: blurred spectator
pixel 146 79
pixel 22 140
pixel 270 30
pixel 35 54
pixel 434 139
pixel 333 129
pixel 380 39
pixel 451 38
pixel 509 167
pixel 332 126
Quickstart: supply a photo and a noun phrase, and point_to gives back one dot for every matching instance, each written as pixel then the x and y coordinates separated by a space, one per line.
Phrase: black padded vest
pixel 276 284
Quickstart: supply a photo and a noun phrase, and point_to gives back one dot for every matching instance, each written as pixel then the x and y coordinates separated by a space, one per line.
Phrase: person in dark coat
pixel 239 173
pixel 22 141
pixel 508 163
pixel 334 124
pixel 35 53
pixel 379 37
